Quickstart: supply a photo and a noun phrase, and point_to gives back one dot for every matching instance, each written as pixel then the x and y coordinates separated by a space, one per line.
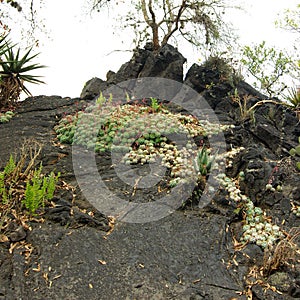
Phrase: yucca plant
pixel 14 74
pixel 293 98
pixel 3 44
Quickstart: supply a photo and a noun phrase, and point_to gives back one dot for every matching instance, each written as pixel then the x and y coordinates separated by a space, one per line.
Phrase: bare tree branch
pixel 204 17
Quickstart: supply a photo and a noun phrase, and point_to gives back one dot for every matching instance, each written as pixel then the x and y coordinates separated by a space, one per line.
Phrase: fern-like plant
pixel 39 189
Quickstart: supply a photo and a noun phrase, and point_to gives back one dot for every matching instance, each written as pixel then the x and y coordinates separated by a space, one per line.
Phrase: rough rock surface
pixel 168 63
pixel 189 254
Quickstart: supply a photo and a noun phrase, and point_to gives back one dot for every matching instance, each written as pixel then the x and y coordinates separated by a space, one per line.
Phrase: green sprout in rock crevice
pixel 5 117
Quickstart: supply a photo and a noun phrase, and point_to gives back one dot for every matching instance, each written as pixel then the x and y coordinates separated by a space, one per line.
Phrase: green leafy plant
pixel 223 66
pixel 5 117
pixel 296 152
pixel 38 189
pixel 23 184
pixel 14 73
pixel 290 19
pixel 155 105
pixel 4 44
pixel 102 100
pixel 268 66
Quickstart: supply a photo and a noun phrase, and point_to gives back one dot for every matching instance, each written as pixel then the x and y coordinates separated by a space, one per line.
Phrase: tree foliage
pixel 291 20
pixel 199 22
pixel 268 67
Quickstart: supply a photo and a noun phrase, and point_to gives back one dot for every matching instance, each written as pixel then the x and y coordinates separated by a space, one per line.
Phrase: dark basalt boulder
pixel 92 88
pixel 167 63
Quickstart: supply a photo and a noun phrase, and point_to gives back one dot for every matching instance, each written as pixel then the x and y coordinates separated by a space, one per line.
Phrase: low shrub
pixel 22 185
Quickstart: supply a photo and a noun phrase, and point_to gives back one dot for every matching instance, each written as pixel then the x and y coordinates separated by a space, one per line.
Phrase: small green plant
pixel 155 105
pixel 23 184
pixel 296 152
pixel 38 189
pixel 293 98
pixel 102 100
pixel 65 130
pixel 5 117
pixel 224 68
pixel 204 161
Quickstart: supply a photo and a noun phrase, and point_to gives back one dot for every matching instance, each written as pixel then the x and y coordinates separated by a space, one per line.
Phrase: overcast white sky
pixel 79 46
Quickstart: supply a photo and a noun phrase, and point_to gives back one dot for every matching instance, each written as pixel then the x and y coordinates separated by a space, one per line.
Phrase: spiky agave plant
pixel 204 161
pixel 294 97
pixel 3 44
pixel 14 74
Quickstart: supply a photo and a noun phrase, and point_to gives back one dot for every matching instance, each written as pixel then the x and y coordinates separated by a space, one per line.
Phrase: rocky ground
pixel 77 252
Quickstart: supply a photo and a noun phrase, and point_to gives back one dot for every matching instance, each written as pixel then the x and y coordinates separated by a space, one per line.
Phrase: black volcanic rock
pixel 167 63
pixel 188 254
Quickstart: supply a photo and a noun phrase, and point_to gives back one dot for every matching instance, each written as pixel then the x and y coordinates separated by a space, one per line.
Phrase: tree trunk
pixel 155 37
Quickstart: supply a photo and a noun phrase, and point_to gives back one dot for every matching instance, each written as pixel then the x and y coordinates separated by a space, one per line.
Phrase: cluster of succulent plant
pixel 271 188
pixel 296 152
pixel 66 128
pixel 257 227
pixel 5 117
pixel 231 154
pixel 143 133
pixel 296 209
pixel 212 128
pixel 180 162
pixel 102 127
